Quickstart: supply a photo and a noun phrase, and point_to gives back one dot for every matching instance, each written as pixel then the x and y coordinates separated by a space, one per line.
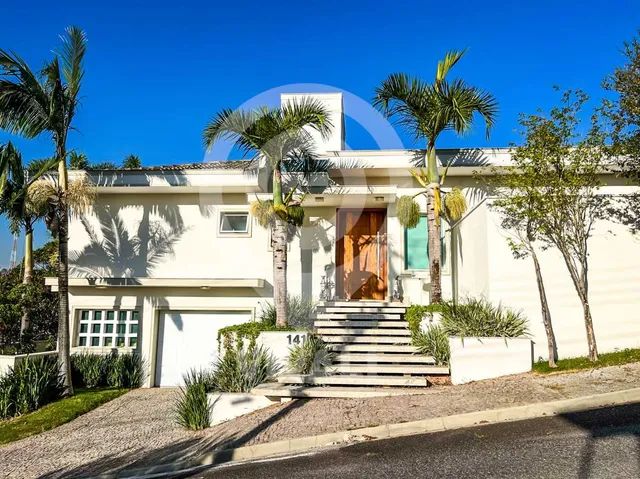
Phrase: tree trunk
pixel 580 282
pixel 64 346
pixel 27 278
pixel 546 314
pixel 433 224
pixel 279 245
pixel 433 230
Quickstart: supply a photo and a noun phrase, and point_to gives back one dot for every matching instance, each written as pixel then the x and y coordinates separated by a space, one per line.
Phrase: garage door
pixel 189 339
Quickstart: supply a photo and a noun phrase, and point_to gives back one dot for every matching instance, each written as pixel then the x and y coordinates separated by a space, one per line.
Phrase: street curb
pixel 385 431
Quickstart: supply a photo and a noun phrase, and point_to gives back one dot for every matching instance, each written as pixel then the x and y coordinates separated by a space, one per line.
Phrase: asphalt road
pixel 594 444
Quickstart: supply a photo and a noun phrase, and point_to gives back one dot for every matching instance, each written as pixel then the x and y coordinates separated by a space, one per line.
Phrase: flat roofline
pixel 202 283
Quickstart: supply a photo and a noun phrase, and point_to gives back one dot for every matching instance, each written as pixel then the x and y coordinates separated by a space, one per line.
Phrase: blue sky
pixel 157 71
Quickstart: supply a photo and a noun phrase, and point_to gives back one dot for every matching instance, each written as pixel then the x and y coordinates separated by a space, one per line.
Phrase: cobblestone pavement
pixel 138 429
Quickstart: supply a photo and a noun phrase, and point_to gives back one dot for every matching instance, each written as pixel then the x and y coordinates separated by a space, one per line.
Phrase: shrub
pixel 192 409
pixel 90 369
pixel 311 356
pixel 416 312
pixel 477 317
pixel 299 313
pixel 241 369
pixel 126 371
pixel 33 383
pixel 433 342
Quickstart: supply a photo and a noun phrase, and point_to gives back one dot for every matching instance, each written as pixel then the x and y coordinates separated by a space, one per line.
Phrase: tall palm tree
pixel 15 179
pixel 426 110
pixel 280 136
pixel 35 103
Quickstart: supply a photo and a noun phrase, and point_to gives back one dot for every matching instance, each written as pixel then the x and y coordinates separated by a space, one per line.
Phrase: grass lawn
pixel 56 413
pixel 607 359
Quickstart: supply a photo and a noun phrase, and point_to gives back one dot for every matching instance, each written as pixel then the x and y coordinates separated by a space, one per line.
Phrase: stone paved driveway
pixel 137 429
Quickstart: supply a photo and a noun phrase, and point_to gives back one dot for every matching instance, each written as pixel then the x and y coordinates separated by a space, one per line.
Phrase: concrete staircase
pixel 373 354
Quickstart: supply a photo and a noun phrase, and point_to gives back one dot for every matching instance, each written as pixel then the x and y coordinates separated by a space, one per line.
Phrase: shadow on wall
pixel 120 250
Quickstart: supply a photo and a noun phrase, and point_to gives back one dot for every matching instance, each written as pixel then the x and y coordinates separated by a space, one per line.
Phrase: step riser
pixel 374 348
pixel 353 380
pixel 386 369
pixel 362 310
pixel 376 358
pixel 400 340
pixel 356 304
pixel 360 324
pixel 364 332
pixel 361 316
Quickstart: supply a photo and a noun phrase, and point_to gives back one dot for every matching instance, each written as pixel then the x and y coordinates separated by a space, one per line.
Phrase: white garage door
pixel 189 339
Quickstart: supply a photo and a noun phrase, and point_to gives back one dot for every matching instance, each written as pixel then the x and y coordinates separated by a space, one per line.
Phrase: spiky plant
pixel 279 136
pixel 192 408
pixel 426 110
pixel 312 356
pixel 433 342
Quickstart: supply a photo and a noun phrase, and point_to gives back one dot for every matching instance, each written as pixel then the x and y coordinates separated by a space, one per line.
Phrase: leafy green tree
pixel 279 137
pixel 557 186
pixel 15 179
pixel 32 104
pixel 132 162
pixel 516 192
pixel 623 112
pixel 426 110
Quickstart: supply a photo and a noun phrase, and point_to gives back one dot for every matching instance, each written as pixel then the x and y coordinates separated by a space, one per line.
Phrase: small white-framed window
pixel 234 223
pixel 108 328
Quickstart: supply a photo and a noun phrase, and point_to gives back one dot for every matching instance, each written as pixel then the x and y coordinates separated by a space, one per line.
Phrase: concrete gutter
pixel 386 431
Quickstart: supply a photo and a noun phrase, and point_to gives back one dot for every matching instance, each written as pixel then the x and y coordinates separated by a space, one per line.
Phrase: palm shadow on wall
pixel 115 251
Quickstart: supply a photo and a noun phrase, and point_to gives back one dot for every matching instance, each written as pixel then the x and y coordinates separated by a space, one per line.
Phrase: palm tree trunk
pixel 279 244
pixel 64 346
pixel 27 278
pixel 546 314
pixel 433 225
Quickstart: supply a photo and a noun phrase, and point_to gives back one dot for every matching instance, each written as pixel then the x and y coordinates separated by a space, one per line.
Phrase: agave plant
pixel 241 369
pixel 312 356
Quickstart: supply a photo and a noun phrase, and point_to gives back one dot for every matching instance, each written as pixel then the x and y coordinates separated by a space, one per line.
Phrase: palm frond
pixel 74 47
pixel 306 112
pixel 263 212
pixel 447 63
pixel 80 195
pixel 234 125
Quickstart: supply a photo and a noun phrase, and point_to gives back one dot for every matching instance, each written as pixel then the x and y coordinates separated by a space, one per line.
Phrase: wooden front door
pixel 361 254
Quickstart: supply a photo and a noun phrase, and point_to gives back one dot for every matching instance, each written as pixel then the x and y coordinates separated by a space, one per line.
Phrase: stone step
pixel 365 331
pixel 361 309
pixel 299 391
pixel 383 358
pixel 357 304
pixel 374 348
pixel 366 339
pixel 337 379
pixel 362 316
pixel 387 369
pixel 325 323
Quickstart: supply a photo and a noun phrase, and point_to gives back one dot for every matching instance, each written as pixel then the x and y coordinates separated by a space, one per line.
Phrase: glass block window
pixel 416 246
pixel 98 328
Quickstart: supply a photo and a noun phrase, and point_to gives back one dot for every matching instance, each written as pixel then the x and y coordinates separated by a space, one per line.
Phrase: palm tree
pixel 132 162
pixel 426 110
pixel 15 180
pixel 280 136
pixel 32 104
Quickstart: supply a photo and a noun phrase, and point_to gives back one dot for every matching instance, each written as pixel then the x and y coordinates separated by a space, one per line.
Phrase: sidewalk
pixel 141 431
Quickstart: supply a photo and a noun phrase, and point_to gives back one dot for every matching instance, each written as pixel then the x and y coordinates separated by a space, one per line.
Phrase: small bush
pixel 299 313
pixel 126 371
pixel 33 383
pixel 311 356
pixel 433 342
pixel 416 312
pixel 241 369
pixel 192 409
pixel 477 317
pixel 89 369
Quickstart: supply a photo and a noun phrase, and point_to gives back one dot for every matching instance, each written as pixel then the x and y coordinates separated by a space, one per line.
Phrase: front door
pixel 361 254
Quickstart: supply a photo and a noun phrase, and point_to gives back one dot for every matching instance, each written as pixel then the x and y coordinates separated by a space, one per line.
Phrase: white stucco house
pixel 170 254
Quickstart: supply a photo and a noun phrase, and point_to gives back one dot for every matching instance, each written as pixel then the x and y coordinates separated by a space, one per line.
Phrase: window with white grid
pixel 108 328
